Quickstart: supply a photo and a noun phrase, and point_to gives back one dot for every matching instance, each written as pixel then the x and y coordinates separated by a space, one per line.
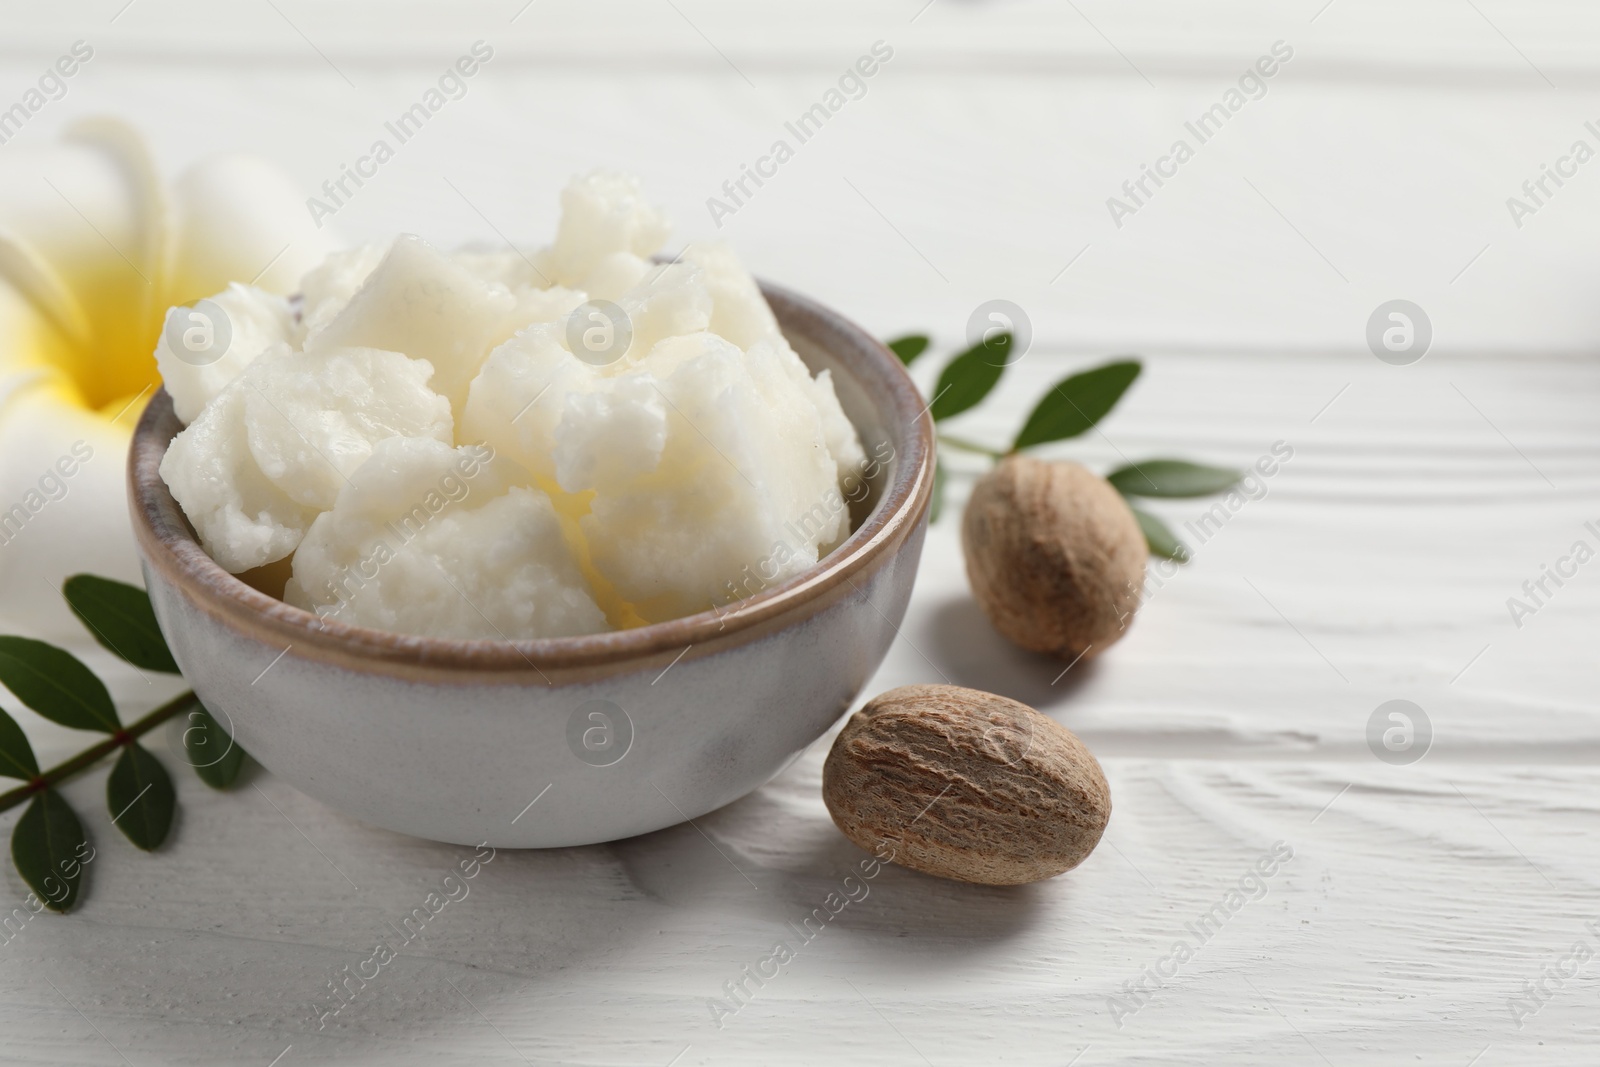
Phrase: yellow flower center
pixel 108 369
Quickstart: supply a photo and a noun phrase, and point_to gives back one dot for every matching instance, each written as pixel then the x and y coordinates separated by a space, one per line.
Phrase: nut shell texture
pixel 1054 555
pixel 966 785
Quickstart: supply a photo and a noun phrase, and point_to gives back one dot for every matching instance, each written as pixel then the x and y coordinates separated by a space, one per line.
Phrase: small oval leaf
pixel 56 684
pixel 49 850
pixel 967 379
pixel 16 755
pixel 909 347
pixel 1159 538
pixel 121 619
pixel 1076 403
pixel 140 796
pixel 1171 478
pixel 213 753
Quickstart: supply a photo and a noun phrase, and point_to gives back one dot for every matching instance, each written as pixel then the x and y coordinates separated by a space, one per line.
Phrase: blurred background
pixel 977 164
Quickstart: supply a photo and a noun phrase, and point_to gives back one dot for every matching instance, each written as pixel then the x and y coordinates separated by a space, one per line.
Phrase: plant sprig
pixel 1071 407
pixel 48 845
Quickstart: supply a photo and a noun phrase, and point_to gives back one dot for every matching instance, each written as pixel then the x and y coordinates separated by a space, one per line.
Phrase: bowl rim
pixel 168 546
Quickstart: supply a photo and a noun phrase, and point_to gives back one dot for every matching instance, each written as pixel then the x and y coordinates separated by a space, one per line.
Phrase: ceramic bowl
pixel 561 741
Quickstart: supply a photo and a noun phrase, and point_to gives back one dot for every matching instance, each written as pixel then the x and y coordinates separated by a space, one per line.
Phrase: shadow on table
pixel 776 862
pixel 970 652
pixel 264 947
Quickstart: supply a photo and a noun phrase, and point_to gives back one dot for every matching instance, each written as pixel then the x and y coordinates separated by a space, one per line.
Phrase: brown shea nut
pixel 966 785
pixel 1054 555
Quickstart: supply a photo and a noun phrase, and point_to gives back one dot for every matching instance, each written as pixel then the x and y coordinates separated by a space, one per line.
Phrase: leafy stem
pixel 90 756
pixel 1071 407
pixel 963 445
pixel 48 845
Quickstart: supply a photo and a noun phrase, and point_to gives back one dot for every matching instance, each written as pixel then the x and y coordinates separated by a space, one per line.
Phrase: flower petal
pixel 92 253
pixel 127 146
pixel 82 226
pixel 63 504
pixel 237 218
pixel 32 276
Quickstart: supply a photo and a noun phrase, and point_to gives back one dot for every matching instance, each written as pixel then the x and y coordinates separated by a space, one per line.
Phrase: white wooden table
pixel 1420 898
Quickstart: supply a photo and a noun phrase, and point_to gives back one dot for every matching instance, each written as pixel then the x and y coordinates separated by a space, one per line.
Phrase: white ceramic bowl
pixel 563 741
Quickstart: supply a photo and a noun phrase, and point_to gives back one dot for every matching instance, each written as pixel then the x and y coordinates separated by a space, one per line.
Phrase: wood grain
pixel 1375 564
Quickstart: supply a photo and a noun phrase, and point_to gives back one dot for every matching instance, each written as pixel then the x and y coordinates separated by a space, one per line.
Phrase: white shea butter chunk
pixel 742 483
pixel 312 419
pixel 328 287
pixel 278 443
pixel 700 472
pixel 256 320
pixel 443 541
pixel 503 266
pixel 420 302
pixel 242 518
pixel 606 233
pixel 742 316
pixel 517 399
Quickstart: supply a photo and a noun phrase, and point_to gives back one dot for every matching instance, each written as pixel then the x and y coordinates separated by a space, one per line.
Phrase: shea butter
pixel 487 445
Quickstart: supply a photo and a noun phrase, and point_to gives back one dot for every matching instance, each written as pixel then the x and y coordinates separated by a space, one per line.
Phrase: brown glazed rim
pixel 170 548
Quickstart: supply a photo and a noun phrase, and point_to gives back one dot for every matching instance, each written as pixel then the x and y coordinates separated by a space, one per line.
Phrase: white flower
pixel 94 248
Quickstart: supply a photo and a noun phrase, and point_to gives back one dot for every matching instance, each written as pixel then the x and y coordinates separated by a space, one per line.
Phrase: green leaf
pixel 56 684
pixel 1076 403
pixel 967 379
pixel 48 849
pixel 120 617
pixel 909 347
pixel 1160 539
pixel 16 755
pixel 937 505
pixel 213 753
pixel 1171 478
pixel 139 794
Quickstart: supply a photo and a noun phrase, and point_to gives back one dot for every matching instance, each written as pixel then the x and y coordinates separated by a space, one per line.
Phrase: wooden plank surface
pixel 1375 565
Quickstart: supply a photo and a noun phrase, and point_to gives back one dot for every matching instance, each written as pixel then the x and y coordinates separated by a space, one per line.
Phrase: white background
pixel 1420 898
